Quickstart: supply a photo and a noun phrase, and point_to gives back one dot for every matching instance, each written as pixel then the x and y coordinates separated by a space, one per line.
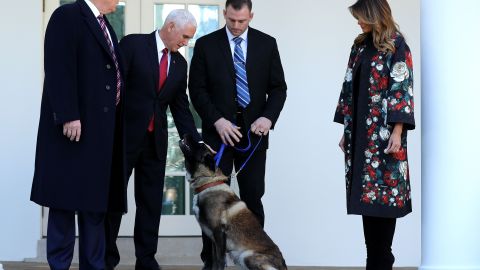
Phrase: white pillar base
pixel 449 268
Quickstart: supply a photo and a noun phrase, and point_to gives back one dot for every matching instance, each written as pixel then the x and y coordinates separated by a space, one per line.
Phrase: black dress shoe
pixel 147 264
pixel 207 266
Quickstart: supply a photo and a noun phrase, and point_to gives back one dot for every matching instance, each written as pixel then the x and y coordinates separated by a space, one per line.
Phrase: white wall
pixel 305 194
pixel 452 242
pixel 20 88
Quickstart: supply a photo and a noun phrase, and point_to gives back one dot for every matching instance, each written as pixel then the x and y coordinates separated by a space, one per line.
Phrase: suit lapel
pixel 94 26
pixel 227 51
pixel 251 52
pixel 153 59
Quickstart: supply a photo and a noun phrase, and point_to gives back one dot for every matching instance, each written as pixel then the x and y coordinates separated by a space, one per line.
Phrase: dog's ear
pixel 208 157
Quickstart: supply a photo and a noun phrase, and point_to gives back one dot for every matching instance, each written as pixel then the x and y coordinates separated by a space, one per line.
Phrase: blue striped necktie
pixel 243 96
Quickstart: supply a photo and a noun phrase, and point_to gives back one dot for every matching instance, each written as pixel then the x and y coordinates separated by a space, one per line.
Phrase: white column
pixel 451 134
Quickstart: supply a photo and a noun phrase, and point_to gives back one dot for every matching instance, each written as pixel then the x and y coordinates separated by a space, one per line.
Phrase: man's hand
pixel 227 131
pixel 72 130
pixel 261 126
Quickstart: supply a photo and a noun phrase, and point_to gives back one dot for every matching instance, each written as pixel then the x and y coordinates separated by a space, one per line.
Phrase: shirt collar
pixel 94 9
pixel 160 45
pixel 231 36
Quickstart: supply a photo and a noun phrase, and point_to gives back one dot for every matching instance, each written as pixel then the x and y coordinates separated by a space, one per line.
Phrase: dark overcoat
pixel 383 185
pixel 80 84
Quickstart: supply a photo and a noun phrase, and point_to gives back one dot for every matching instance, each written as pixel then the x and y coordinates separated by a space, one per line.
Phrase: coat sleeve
pixel 197 86
pixel 342 105
pixel 181 113
pixel 400 103
pixel 277 90
pixel 61 86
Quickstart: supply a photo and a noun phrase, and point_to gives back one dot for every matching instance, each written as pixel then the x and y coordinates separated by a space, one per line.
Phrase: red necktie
pixel 162 78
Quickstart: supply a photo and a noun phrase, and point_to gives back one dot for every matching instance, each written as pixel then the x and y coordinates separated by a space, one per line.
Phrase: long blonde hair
pixel 378 15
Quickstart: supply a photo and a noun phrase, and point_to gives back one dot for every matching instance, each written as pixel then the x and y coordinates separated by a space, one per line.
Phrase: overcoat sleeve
pixel 400 91
pixel 61 85
pixel 342 105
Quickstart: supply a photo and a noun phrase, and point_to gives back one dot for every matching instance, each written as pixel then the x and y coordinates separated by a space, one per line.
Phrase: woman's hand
pixel 342 143
pixel 394 143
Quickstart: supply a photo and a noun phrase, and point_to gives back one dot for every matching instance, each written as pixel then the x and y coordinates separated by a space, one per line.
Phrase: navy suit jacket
pixel 80 84
pixel 143 99
pixel 212 83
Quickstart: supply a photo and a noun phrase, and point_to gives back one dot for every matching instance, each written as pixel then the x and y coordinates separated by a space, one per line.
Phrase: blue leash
pixel 219 154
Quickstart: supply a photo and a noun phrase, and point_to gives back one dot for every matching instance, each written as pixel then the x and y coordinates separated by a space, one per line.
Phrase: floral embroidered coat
pixel 381 186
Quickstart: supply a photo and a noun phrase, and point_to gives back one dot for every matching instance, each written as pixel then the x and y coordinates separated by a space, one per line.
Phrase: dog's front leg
pixel 220 249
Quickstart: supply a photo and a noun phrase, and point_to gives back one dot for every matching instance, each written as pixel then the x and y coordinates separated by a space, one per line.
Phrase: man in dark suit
pixel 236 85
pixel 156 78
pixel 80 161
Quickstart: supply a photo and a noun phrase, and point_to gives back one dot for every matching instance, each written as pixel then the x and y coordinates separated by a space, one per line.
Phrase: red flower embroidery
pixel 371 172
pixel 400 105
pixel 388 179
pixel 401 154
pixel 375 112
pixel 391 182
pixel 399 202
pixel 371 130
pixel 383 83
pixel 385 199
pixel 366 199
pixel 408 59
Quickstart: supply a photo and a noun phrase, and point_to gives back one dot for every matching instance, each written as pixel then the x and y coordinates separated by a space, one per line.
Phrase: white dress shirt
pixel 97 13
pixel 160 47
pixel 243 45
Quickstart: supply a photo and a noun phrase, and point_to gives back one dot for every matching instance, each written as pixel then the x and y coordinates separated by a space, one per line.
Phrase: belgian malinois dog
pixel 224 218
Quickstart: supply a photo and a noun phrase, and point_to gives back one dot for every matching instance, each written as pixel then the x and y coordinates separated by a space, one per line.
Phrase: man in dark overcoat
pixel 80 161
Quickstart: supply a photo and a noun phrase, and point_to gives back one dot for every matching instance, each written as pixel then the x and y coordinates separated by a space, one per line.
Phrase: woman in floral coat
pixel 376 109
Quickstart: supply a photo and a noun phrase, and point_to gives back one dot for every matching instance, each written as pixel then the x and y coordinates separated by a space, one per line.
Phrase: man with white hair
pixel 156 78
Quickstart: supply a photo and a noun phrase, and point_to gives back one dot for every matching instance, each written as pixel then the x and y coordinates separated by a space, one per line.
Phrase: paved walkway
pixel 40 266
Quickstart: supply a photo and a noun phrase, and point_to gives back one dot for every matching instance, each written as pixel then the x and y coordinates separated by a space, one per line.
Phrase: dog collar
pixel 209 185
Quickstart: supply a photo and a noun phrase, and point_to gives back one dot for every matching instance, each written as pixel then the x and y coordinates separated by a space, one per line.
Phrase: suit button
pixel 107 87
pixel 105 109
pixel 108 66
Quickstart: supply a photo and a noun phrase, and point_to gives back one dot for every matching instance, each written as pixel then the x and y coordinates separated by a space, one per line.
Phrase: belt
pixel 240 110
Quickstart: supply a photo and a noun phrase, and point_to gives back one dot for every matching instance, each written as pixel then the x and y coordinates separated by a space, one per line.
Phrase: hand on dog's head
pixel 196 153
